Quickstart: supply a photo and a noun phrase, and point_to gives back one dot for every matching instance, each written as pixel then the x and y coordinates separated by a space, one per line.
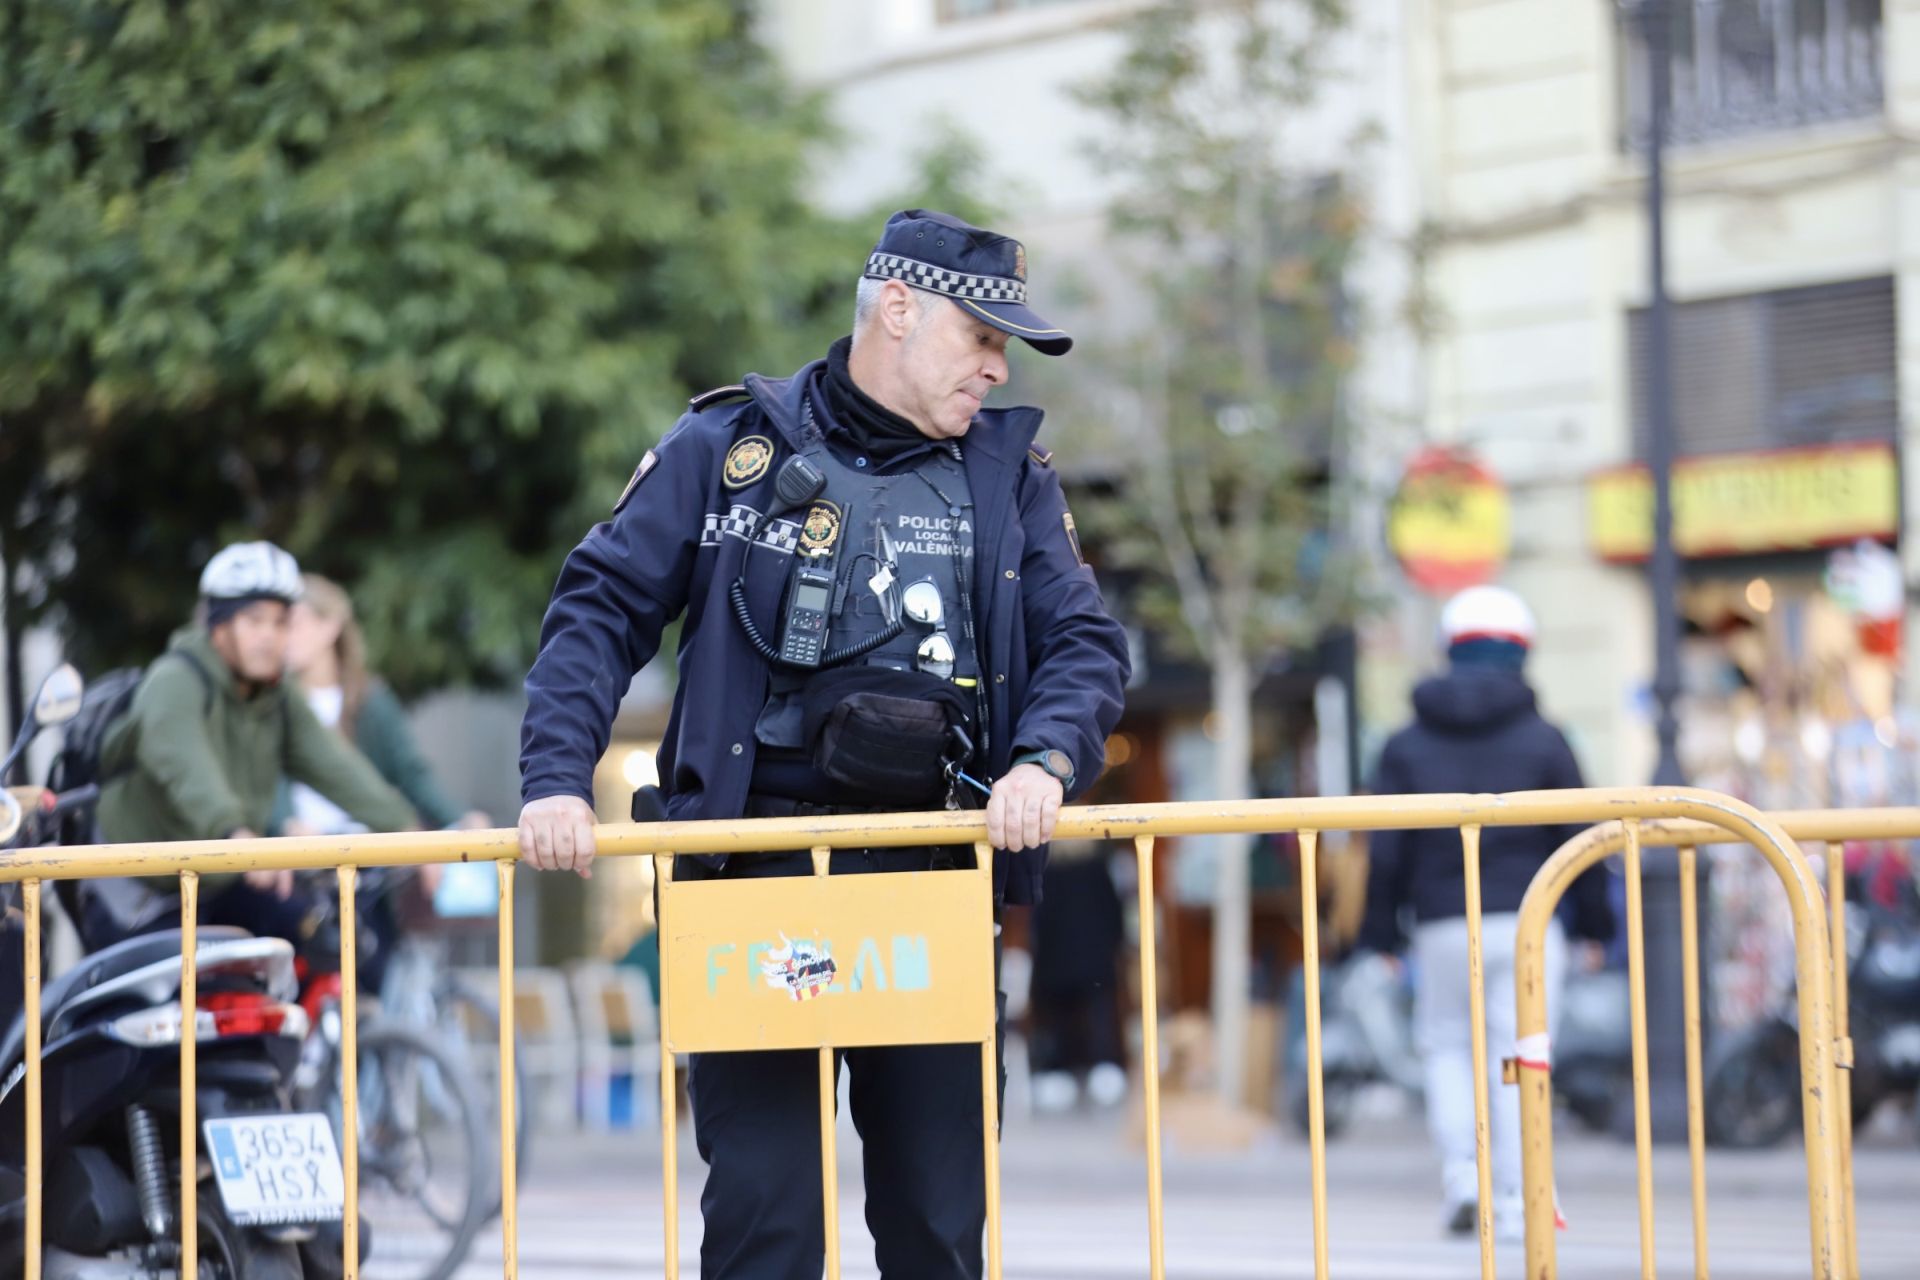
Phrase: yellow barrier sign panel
pixel 828 961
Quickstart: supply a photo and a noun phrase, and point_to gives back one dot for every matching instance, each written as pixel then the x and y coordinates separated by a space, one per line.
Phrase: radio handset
pixel 810 585
pixel 810 588
pixel 803 632
pixel 803 629
pixel 799 481
pixel 801 643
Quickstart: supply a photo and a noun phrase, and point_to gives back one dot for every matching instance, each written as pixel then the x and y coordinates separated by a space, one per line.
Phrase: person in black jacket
pixel 1475 729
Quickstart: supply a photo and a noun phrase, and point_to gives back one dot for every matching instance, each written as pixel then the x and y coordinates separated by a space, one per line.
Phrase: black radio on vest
pixel 808 597
pixel 804 635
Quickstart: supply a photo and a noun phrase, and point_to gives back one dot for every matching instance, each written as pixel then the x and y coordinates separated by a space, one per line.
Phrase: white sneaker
pixel 1054 1091
pixel 1510 1219
pixel 1107 1085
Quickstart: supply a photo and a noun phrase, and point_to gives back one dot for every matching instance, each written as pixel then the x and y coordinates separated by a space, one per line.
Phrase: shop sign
pixel 1451 522
pixel 1746 503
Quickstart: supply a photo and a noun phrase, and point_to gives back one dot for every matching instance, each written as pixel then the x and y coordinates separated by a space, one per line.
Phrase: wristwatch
pixel 1057 763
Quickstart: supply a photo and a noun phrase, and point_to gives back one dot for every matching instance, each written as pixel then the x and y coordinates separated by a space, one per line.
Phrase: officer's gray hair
pixel 867 297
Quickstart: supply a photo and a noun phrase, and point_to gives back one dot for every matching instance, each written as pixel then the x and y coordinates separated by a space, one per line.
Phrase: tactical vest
pixel 923 515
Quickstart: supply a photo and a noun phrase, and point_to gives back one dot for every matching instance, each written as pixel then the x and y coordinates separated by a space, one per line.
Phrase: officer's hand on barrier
pixel 556 834
pixel 1023 808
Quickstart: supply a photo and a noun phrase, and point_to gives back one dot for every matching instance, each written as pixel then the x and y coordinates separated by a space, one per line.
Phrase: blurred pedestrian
pixel 326 652
pixel 328 655
pixel 1475 729
pixel 1078 930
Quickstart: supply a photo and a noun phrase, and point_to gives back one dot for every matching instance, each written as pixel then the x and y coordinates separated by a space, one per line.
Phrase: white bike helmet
pixel 251 571
pixel 1487 613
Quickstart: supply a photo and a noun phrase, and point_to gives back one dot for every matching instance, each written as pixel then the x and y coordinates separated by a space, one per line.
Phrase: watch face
pixel 1057 764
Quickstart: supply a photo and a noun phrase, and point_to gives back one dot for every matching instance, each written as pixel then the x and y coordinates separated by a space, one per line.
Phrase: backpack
pixel 106 702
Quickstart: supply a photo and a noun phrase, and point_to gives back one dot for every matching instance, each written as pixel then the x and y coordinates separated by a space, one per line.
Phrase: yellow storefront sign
pixel 1746 503
pixel 841 961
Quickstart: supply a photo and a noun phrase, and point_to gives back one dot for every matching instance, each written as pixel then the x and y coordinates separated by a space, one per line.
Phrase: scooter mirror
pixel 10 817
pixel 59 698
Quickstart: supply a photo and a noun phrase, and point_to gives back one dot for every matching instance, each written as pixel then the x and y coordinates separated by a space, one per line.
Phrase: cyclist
pixel 200 753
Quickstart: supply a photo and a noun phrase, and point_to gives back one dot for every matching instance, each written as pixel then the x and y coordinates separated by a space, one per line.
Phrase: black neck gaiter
pixel 875 429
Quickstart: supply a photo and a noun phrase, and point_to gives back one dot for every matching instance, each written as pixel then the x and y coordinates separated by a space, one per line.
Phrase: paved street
pixel 1075 1209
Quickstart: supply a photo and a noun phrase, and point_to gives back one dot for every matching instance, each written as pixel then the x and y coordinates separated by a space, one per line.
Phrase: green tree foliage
pixel 408 288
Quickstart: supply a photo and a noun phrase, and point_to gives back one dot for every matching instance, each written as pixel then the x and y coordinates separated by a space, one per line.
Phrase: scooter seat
pixel 102 966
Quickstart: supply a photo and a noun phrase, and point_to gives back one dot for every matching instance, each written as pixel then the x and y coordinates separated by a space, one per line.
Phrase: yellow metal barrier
pixel 1820 827
pixel 695 915
pixel 1821 974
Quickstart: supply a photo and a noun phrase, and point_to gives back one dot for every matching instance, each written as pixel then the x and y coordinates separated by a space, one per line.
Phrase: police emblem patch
pixel 820 530
pixel 747 461
pixel 1020 262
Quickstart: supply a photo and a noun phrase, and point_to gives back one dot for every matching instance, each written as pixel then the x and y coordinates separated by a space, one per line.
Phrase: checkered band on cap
pixel 955 284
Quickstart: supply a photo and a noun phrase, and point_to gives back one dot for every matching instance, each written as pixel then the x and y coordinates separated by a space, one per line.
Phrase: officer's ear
pixel 899 310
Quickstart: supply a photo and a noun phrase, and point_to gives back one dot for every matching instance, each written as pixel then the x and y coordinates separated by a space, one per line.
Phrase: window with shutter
pixel 1771 370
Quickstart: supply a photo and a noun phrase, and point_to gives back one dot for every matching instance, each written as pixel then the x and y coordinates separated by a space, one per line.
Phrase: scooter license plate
pixel 277 1168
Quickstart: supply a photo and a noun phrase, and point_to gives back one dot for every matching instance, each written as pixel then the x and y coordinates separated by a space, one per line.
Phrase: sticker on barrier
pixel 842 961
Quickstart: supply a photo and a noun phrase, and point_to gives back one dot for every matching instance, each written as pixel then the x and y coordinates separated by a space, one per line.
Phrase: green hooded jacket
pixel 189 763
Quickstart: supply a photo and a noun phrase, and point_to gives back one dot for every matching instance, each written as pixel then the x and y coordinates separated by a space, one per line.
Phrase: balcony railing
pixel 1756 66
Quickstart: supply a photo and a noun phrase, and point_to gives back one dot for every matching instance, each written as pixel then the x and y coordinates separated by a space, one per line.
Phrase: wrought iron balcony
pixel 1744 67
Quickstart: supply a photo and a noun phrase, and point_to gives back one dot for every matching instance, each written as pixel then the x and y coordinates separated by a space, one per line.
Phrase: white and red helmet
pixel 1487 613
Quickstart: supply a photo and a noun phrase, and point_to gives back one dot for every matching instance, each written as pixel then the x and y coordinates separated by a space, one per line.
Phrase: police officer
pixel 886 608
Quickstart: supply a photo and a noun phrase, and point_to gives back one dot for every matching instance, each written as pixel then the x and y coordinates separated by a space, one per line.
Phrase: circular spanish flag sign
pixel 1451 522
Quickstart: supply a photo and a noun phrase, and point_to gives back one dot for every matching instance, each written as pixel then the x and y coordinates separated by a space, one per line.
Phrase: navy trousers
pixel 756 1120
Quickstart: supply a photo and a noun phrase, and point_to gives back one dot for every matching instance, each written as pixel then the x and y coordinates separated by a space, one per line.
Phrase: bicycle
pixel 419 991
pixel 424 1149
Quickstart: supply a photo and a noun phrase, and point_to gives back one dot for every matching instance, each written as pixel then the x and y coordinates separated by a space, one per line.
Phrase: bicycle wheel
pixel 469 1018
pixel 424 1155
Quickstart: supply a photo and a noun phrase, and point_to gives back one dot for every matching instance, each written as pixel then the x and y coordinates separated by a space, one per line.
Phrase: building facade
pixel 1794 260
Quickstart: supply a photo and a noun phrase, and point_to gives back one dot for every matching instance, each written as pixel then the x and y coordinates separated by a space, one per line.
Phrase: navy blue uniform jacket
pixel 1055 663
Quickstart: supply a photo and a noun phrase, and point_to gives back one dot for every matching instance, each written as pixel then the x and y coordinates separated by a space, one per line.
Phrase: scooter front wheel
pixel 232 1252
pixel 1753 1091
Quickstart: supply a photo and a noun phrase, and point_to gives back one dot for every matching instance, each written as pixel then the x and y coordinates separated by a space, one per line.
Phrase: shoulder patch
pixel 719 395
pixel 1044 457
pixel 747 461
pixel 639 473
